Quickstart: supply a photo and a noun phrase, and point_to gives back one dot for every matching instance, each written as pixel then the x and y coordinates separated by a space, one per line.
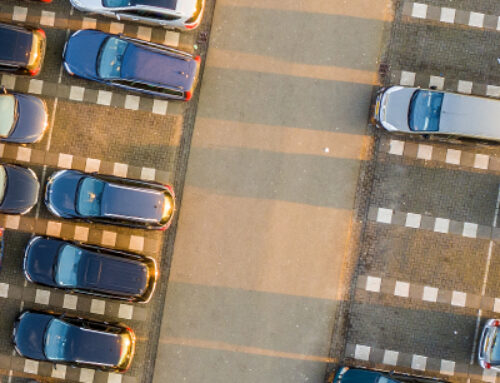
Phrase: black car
pixel 18 189
pixel 22 49
pixel 108 199
pixel 89 269
pixel 363 375
pixel 75 341
pixel 23 118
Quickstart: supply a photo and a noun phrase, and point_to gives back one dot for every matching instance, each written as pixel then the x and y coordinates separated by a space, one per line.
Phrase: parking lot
pixel 427 276
pixel 93 128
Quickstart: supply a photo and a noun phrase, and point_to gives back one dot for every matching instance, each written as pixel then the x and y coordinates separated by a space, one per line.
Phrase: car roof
pixel 158 67
pixel 15 44
pixel 169 4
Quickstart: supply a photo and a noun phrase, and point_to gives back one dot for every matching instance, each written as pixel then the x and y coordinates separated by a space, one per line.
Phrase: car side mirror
pixel 3 90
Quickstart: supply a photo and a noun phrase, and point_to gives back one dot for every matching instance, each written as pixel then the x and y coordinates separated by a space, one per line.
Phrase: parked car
pixel 362 375
pixel 180 14
pixel 131 64
pixel 423 111
pixel 108 199
pixel 489 350
pixel 22 49
pixel 74 341
pixel 87 269
pixel 18 189
pixel 23 118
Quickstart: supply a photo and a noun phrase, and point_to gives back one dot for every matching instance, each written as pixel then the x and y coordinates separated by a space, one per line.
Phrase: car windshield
pixel 111 57
pixel 89 197
pixel 115 3
pixel 425 111
pixel 57 345
pixel 67 266
pixel 495 349
pixel 7 114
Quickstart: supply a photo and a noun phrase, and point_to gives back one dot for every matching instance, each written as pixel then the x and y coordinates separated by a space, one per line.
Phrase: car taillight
pixel 187 95
pixel 487 365
pixel 34 72
pixel 198 59
pixel 42 32
pixel 496 323
pixel 191 26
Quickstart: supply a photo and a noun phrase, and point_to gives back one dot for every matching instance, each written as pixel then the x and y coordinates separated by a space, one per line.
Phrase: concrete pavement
pixel 260 257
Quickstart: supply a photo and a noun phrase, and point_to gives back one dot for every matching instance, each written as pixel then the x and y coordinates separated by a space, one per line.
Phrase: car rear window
pixel 425 111
pixel 15 45
pixel 116 3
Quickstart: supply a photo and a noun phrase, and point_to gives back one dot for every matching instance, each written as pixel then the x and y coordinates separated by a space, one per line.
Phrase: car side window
pixel 149 14
pixel 150 88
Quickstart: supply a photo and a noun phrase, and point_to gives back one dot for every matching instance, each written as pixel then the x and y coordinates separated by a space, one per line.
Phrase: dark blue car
pixel 23 118
pixel 18 189
pixel 362 375
pixel 74 341
pixel 89 269
pixel 112 200
pixel 131 64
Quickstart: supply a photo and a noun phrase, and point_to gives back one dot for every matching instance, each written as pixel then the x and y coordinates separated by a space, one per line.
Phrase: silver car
pixel 424 111
pixel 179 14
pixel 488 354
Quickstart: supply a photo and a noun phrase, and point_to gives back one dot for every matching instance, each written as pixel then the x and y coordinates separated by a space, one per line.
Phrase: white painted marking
pixel 470 230
pixel 447 367
pixel 144 33
pixel 35 86
pixel 108 238
pixel 489 376
pixel 390 357
pixel 53 229
pixel 481 161
pixel 407 78
pixel 464 86
pixel 447 15
pixel 136 243
pixel 160 107
pixel 418 362
pixel 496 305
pixel 42 297
pixel 430 294
pixel 81 233
pixel 453 156
pixel 116 28
pixel 148 174
pixel 384 215
pixel 12 221
pixel 498 24
pixel 89 23
pixel 437 82
pixel 86 375
pixel 114 378
pixel 20 14
pixel 458 298
pixel 104 97
pixel 493 90
pixel 70 301
pixel 373 284
pixel 65 160
pixel 59 371
pixel 396 147
pixel 92 165
pixel 120 170
pixel 23 154
pixel 97 306
pixel 76 93
pixel 125 311
pixel 132 102
pixel 9 81
pixel 402 289
pixel 476 19
pixel 31 366
pixel 48 18
pixel 172 38
pixel 362 352
pixel 413 220
pixel 419 10
pixel 4 290
pixel 442 225
pixel 424 152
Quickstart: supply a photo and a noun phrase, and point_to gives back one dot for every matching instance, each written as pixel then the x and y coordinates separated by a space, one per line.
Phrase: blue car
pixel 18 189
pixel 362 375
pixel 131 64
pixel 112 200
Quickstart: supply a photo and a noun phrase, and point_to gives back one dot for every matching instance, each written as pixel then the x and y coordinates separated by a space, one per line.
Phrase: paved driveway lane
pixel 264 227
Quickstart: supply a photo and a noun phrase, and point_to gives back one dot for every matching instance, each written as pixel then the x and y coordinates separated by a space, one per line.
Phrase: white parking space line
pixel 496 305
pixel 442 225
pixel 48 18
pixel 476 19
pixel 172 38
pixel 373 284
pixel 53 229
pixel 424 152
pixel 447 15
pixel 419 362
pixel 23 154
pixel 76 93
pixel 70 301
pixel 160 107
pixel 86 375
pixel 132 102
pixel 390 357
pixel 362 352
pixel 464 86
pixel 42 297
pixel 116 28
pixel 81 233
pixel 92 165
pixel 108 238
pixel 97 306
pixel 4 290
pixel 59 371
pixel 65 161
pixel 384 215
pixel 144 33
pixel 447 367
pixel 453 156
pixel 402 289
pixel 89 23
pixel 31 366
pixel 120 170
pixel 19 14
pixel 419 10
pixel 136 243
pixel 407 78
pixel 104 97
pixel 148 174
pixel 413 220
pixel 430 294
pixel 114 378
pixel 489 376
pixel 125 311
pixel 470 230
pixel 12 222
pixel 35 86
pixel 493 91
pixel 436 82
pixel 458 298
pixel 397 147
pixel 8 81
pixel 481 161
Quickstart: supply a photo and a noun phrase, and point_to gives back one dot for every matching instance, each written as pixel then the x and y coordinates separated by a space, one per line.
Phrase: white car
pixel 179 14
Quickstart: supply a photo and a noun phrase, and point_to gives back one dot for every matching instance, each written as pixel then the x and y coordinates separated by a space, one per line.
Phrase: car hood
pixel 81 52
pixel 360 376
pixel 61 192
pixel 39 260
pixel 135 203
pixel 31 121
pixel 16 44
pixel 22 190
pixel 158 68
pixel 394 108
pixel 29 334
